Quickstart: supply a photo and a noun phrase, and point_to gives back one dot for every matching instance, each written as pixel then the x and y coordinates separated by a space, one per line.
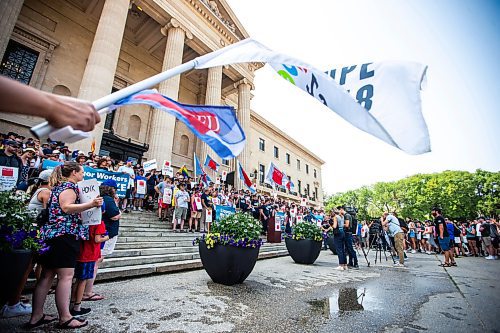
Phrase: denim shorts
pixel 444 243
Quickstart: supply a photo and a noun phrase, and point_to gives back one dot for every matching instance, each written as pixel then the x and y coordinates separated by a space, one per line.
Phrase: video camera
pixel 351 210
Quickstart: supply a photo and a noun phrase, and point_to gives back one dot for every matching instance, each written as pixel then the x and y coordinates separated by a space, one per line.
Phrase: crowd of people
pixel 76 250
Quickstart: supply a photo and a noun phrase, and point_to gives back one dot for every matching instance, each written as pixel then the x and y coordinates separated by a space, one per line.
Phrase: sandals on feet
pixel 42 321
pixel 453 264
pixel 445 265
pixel 65 325
pixel 94 297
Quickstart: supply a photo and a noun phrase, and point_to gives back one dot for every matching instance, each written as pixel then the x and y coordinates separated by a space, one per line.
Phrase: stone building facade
pixel 89 48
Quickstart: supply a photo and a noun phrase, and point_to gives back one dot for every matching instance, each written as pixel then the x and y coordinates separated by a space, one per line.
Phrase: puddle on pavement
pixel 345 301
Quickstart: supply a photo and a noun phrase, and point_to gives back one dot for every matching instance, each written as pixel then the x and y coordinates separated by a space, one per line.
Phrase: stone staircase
pixel 148 246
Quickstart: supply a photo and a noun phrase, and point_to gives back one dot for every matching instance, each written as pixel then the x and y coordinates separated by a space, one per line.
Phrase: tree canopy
pixel 460 194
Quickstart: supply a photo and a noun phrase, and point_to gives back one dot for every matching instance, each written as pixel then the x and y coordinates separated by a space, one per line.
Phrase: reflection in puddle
pixel 345 301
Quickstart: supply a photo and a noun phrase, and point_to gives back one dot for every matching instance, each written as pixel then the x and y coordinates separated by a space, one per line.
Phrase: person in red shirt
pixel 90 252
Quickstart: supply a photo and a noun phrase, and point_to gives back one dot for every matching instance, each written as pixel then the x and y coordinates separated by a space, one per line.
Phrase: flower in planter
pixel 238 230
pixel 306 230
pixel 17 225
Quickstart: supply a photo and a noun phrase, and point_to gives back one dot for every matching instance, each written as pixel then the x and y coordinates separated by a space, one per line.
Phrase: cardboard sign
pixel 299 219
pixel 167 169
pixel 89 190
pixel 217 181
pixel 167 196
pixel 197 203
pixel 8 178
pixel 208 216
pixel 224 175
pixel 150 165
pixel 293 211
pixel 141 186
pixel 303 202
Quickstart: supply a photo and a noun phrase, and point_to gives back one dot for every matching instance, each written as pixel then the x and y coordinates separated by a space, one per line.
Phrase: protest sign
pixel 222 211
pixel 224 175
pixel 293 211
pixel 89 190
pixel 208 216
pixel 197 203
pixel 141 186
pixel 8 178
pixel 299 219
pixel 167 196
pixel 216 201
pixel 303 202
pixel 100 175
pixel 217 180
pixel 150 165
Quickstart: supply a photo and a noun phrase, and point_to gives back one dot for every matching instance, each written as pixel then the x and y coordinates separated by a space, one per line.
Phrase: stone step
pixel 111 273
pixel 119 253
pixel 179 255
pixel 145 245
pixel 166 238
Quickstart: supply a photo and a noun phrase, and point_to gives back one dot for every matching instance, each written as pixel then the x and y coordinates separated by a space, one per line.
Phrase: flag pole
pixel 44 129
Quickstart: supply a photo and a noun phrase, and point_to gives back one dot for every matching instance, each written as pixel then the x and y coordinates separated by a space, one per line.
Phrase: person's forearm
pixel 23 99
pixel 77 208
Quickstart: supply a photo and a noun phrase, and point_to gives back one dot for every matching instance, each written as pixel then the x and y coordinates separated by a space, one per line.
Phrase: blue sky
pixel 460 42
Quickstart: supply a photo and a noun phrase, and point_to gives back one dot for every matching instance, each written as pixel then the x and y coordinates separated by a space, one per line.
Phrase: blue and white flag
pixel 382 99
pixel 217 126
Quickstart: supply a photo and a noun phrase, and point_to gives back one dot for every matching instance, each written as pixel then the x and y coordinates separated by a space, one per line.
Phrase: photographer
pixel 391 224
pixel 350 227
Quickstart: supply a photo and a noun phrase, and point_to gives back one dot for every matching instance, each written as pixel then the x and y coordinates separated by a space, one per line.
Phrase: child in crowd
pixel 90 252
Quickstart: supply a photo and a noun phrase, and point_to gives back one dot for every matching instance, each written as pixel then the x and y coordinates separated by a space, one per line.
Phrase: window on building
pixel 316 193
pixel 19 62
pixel 262 144
pixel 276 152
pixel 308 190
pixel 298 164
pixel 307 168
pixel 225 162
pixel 262 171
pixel 134 127
pixel 184 149
pixel 110 118
pixel 299 186
pixel 287 158
pixel 315 175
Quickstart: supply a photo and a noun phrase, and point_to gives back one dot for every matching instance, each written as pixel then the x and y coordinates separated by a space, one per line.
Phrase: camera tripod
pixel 379 247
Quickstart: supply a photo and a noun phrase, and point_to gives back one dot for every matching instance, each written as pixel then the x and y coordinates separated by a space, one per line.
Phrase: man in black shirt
pixel 443 236
pixel 265 214
pixel 9 158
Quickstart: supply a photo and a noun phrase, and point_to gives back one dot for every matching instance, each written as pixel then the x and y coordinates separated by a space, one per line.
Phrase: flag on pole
pixel 184 171
pixel 382 99
pixel 244 177
pixel 210 162
pixel 217 126
pixel 275 176
pixel 290 186
pixel 198 171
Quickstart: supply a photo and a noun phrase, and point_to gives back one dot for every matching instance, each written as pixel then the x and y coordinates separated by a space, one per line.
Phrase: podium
pixel 273 236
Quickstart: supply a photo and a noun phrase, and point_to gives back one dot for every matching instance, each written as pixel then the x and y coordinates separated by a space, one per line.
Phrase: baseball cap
pixel 29 149
pixel 11 143
pixel 45 175
pixel 110 183
pixel 56 152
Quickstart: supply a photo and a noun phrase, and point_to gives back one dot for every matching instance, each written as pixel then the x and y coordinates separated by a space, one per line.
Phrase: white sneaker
pixel 140 209
pixel 339 268
pixel 19 309
pixel 413 251
pixel 399 265
pixel 489 258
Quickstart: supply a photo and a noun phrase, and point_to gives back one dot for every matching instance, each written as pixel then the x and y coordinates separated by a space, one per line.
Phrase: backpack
pixel 43 217
pixel 403 225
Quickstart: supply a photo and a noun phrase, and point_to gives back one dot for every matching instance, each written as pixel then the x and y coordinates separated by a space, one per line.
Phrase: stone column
pixel 9 11
pixel 100 71
pixel 213 97
pixel 243 113
pixel 163 125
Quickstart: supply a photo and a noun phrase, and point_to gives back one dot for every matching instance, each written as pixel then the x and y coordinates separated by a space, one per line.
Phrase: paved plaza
pixel 281 296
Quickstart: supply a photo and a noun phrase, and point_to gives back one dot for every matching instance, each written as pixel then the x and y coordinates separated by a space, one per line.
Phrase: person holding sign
pixel 63 233
pixel 196 209
pixel 206 201
pixel 140 190
pixel 181 206
pixel 164 190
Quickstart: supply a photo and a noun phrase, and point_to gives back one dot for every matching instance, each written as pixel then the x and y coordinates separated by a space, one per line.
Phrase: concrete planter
pixel 303 251
pixel 228 265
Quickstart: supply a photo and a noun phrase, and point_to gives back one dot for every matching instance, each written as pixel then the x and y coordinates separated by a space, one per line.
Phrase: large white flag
pixel 382 99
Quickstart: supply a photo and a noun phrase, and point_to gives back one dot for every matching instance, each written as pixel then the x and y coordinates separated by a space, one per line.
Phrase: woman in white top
pixel 41 196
